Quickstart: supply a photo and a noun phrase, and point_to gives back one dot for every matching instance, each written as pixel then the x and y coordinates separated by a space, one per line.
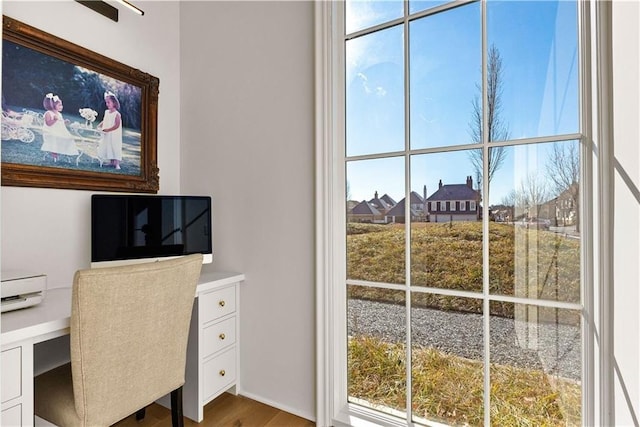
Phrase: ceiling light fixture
pixel 131 7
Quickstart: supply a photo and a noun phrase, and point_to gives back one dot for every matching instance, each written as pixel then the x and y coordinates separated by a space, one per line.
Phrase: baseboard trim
pixel 277 405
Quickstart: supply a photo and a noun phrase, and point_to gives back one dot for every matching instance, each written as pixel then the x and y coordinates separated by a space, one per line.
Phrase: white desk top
pixel 51 317
pixel 216 279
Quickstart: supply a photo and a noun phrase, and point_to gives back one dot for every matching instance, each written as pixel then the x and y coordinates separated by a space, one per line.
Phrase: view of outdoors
pixel 463 226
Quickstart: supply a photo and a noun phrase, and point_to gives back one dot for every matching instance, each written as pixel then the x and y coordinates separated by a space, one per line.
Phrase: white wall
pixel 247 140
pixel 48 230
pixel 626 72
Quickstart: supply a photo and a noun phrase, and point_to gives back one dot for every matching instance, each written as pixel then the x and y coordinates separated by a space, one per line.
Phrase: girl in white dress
pixel 111 143
pixel 55 135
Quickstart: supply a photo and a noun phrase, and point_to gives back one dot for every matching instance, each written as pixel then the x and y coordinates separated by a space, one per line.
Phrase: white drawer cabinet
pixel 214 342
pixel 11 363
pixel 16 363
pixel 218 336
pixel 12 416
pixel 219 373
pixel 217 303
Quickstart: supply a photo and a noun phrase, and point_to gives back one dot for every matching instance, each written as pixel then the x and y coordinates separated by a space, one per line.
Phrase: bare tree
pixel 497 129
pixel 509 199
pixel 531 195
pixel 563 169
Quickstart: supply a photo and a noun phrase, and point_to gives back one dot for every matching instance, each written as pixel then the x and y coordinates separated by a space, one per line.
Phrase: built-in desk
pixel 212 353
pixel 21 330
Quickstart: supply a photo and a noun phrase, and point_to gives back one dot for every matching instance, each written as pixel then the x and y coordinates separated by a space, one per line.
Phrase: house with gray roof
pixel 388 200
pixel 365 212
pixel 416 208
pixel 454 202
pixel 380 203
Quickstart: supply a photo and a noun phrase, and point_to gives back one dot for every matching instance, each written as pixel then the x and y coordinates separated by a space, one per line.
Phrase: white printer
pixel 21 289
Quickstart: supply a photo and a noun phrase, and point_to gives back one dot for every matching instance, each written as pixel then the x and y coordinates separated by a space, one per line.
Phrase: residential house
pixel 561 210
pixel 381 204
pixel 501 213
pixel 564 207
pixel 373 211
pixel 365 212
pixel 388 200
pixel 416 205
pixel 454 202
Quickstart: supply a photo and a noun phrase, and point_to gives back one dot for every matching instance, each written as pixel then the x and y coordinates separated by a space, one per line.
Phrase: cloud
pixel 379 90
pixel 365 82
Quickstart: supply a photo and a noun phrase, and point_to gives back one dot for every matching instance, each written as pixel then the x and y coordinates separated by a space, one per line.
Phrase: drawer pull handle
pixel 221 303
pixel 222 373
pixel 222 336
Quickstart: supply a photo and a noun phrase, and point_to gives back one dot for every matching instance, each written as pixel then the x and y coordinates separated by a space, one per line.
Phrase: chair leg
pixel 177 419
pixel 140 414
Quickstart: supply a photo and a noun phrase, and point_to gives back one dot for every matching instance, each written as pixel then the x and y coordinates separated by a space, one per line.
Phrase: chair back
pixel 129 332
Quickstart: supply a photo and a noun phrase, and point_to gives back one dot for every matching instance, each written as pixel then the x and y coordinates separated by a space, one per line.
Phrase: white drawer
pixel 11 363
pixel 12 416
pixel 217 303
pixel 218 336
pixel 219 373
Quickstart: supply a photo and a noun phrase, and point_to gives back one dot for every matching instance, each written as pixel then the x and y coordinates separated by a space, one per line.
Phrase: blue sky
pixel 537 41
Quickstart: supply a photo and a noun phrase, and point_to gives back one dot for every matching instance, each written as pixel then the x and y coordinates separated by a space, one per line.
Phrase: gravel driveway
pixel 557 351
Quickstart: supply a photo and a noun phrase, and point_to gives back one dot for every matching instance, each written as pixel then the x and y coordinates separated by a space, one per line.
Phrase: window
pixel 491 91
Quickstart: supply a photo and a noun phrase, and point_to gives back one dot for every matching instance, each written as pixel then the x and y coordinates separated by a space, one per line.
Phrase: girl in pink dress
pixel 55 135
pixel 111 143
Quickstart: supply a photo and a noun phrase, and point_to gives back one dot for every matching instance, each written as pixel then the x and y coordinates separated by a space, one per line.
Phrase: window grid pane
pixel 533 237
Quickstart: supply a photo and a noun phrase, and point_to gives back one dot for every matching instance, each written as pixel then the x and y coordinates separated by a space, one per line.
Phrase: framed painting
pixel 75 119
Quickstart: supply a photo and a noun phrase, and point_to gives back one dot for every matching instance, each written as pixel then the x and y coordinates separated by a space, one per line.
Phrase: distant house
pixel 416 206
pixel 454 202
pixel 365 212
pixel 374 210
pixel 566 205
pixel 419 205
pixel 501 213
pixel 388 200
pixel 561 210
pixel 381 204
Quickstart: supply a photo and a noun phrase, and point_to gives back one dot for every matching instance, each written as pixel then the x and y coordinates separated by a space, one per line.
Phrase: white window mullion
pixel 606 216
pixel 407 212
pixel 586 208
pixel 485 223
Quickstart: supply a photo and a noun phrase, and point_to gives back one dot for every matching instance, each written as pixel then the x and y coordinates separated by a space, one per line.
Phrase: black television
pixel 140 228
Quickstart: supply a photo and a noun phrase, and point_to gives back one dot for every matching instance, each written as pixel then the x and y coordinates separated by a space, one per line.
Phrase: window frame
pixel 331 398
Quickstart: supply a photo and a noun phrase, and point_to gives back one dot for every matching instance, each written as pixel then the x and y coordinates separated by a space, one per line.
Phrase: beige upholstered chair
pixel 129 331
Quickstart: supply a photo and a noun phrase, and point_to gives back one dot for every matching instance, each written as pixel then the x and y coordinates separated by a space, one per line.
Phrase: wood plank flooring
pixel 226 410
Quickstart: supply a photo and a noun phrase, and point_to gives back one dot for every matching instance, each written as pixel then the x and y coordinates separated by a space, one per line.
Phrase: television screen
pixel 137 227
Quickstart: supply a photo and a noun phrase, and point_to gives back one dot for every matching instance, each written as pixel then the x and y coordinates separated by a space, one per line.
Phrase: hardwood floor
pixel 225 411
